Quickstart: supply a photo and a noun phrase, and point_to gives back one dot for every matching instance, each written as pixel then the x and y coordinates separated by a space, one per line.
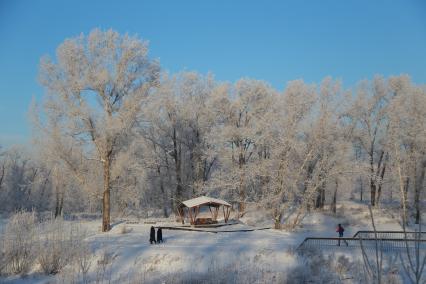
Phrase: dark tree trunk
pixel 106 203
pixel 43 187
pixel 176 156
pixel 418 191
pixel 379 190
pixel 334 201
pixel 404 201
pixel 277 218
pixel 163 192
pixel 320 200
pixel 59 202
pixel 372 183
pixel 372 193
pixel 169 175
pixel 241 190
pixel 2 175
pixel 160 177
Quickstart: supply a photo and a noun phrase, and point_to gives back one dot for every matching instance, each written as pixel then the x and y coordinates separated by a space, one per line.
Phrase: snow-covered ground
pixel 131 258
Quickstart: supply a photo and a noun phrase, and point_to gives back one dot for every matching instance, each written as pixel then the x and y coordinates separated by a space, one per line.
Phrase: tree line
pixel 114 132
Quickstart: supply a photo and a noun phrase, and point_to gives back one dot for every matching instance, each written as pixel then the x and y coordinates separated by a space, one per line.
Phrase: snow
pixel 193 252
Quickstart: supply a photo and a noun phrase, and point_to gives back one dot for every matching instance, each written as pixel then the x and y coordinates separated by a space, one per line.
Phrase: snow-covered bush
pixel 124 229
pixel 18 246
pixel 313 267
pixel 2 255
pixel 244 269
pixel 60 243
pixel 83 259
pixel 78 270
pixel 104 266
pixel 342 265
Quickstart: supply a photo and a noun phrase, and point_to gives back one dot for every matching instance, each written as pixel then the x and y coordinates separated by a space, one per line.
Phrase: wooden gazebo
pixel 192 207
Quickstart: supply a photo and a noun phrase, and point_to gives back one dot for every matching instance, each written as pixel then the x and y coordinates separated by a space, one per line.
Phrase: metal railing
pixel 390 235
pixel 386 241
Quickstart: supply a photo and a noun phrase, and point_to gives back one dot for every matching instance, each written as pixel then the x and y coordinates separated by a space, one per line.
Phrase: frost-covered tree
pixel 243 137
pixel 175 137
pixel 95 90
pixel 309 151
pixel 407 140
pixel 289 152
pixel 24 180
pixel 368 117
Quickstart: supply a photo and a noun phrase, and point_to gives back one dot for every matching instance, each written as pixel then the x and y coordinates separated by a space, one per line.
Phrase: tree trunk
pixel 334 202
pixel 169 175
pixel 418 190
pixel 241 190
pixel 106 218
pixel 406 186
pixel 57 202
pixel 382 175
pixel 372 183
pixel 61 203
pixel 241 204
pixel 277 218
pixel 242 196
pixel 176 156
pixel 2 175
pixel 372 192
pixel 163 192
pixel 320 200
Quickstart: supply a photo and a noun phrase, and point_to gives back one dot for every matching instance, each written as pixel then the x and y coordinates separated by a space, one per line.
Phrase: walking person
pixel 159 235
pixel 152 235
pixel 340 230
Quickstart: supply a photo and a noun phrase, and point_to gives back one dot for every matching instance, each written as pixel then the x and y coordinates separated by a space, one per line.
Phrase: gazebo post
pixel 211 212
pixel 228 212
pixel 190 216
pixel 182 215
pixel 197 211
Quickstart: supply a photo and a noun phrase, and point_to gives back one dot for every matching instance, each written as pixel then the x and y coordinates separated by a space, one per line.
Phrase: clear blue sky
pixel 276 41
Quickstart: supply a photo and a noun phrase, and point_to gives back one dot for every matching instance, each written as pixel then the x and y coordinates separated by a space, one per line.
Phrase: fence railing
pixel 386 241
pixel 390 235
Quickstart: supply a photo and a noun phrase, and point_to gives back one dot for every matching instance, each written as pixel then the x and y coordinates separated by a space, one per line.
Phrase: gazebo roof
pixel 205 200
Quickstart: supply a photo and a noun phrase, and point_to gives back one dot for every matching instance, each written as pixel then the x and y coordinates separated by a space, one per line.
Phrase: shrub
pixel 2 256
pixel 104 267
pixel 124 229
pixel 59 244
pixel 18 246
pixel 313 267
pixel 83 259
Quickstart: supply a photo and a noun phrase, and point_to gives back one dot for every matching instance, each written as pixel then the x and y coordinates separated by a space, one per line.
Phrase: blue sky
pixel 276 41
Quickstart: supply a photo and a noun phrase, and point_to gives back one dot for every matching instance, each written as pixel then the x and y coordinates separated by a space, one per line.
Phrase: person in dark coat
pixel 159 235
pixel 340 230
pixel 152 235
